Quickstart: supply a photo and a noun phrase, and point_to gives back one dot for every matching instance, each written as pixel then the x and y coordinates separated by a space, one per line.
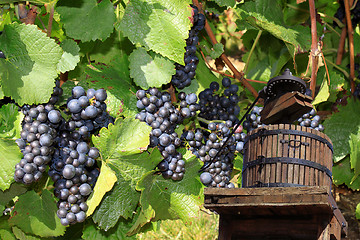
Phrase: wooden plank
pixel 274 141
pixel 291 155
pixel 302 156
pixel 266 152
pixel 279 154
pixel 297 155
pixel 307 157
pixel 285 153
pixel 312 157
pixel 311 190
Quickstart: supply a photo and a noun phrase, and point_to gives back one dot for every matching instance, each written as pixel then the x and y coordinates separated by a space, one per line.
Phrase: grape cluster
pixel 74 173
pixel 215 105
pixel 311 120
pixel 357 88
pixel 355 14
pixel 184 74
pixel 206 143
pixel 2 55
pixel 38 138
pixel 159 113
pixel 37 141
pixel 253 119
pixel 47 139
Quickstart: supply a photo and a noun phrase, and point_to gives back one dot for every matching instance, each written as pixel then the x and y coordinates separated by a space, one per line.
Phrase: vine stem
pixel 239 76
pixel 51 18
pixel 314 54
pixel 252 50
pixel 340 51
pixel 351 45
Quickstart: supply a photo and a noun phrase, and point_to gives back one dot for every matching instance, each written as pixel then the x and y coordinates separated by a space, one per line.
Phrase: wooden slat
pixel 285 153
pixel 279 154
pixel 274 141
pixel 297 155
pixel 302 156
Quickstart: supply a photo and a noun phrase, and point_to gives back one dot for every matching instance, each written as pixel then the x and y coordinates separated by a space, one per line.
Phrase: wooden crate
pixel 296 213
pixel 287 155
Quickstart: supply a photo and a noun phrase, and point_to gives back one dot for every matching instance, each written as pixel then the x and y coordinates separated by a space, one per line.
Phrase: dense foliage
pixel 174 98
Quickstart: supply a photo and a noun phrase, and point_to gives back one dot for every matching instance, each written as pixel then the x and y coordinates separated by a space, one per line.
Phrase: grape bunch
pixel 2 55
pixel 357 88
pixel 47 139
pixel 253 119
pixel 38 138
pixel 184 74
pixel 159 113
pixel 74 173
pixel 220 105
pixel 88 112
pixel 355 14
pixel 206 143
pixel 311 120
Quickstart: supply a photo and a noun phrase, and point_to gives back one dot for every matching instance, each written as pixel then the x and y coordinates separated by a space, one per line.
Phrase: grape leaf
pixel 115 81
pixel 21 235
pixel 118 232
pixel 10 155
pixel 123 199
pixel 87 20
pixel 357 211
pixel 104 183
pixel 354 143
pixel 150 71
pixel 6 196
pixel 173 199
pixel 30 67
pixel 217 50
pixel 145 216
pixel 39 217
pixel 226 3
pixel 125 137
pixel 268 16
pixel 144 23
pixel 10 121
pixel 340 125
pixel 323 93
pixel 70 56
pixel 343 174
pixel 121 146
pixel 5 230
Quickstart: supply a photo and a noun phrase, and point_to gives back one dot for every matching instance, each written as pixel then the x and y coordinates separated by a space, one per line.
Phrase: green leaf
pixel 118 232
pixel 343 174
pixel 340 125
pixel 357 211
pixel 173 199
pixel 115 80
pixel 125 137
pixel 354 143
pixel 145 216
pixel 21 235
pixel 15 189
pixel 337 84
pixel 39 217
pixel 5 230
pixel 10 121
pixel 87 20
pixel 268 16
pixel 217 50
pixel 159 25
pixel 323 94
pixel 104 183
pixel 123 199
pixel 226 3
pixel 70 56
pixel 10 155
pixel 150 71
pixel 28 73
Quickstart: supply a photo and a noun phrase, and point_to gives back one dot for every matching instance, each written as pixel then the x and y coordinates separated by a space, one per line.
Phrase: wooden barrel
pixel 287 155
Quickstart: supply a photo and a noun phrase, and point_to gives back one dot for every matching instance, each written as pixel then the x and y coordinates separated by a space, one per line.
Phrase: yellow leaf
pixel 105 182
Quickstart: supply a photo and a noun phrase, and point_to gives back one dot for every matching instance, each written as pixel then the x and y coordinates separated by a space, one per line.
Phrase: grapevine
pixel 116 115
